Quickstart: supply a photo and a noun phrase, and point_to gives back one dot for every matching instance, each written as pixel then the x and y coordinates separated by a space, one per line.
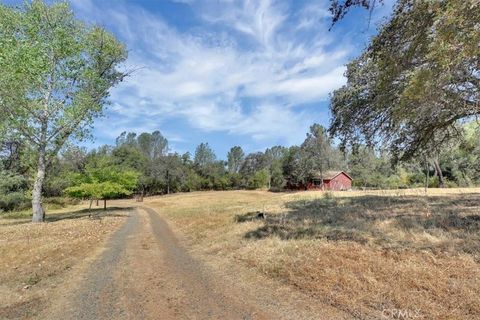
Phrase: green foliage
pixel 104 173
pixel 12 191
pixel 56 72
pixel 98 190
pixel 235 180
pixel 339 8
pixel 103 181
pixel 315 156
pixel 416 83
pixel 277 178
pixel 412 92
pixel 235 159
pixel 13 201
pixel 204 160
pixel 125 178
pixel 11 182
pixel 259 179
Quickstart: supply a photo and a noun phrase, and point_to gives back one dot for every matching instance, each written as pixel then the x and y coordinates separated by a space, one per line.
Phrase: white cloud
pixel 314 15
pixel 258 19
pixel 205 74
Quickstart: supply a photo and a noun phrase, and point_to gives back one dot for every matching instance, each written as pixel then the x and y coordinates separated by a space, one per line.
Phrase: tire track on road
pixel 98 295
pixel 206 296
pixel 145 273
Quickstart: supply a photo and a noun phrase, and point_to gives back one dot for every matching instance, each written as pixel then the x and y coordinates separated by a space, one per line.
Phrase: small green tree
pixel 104 183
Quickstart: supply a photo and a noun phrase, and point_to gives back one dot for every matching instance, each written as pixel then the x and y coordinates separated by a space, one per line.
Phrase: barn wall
pixel 340 182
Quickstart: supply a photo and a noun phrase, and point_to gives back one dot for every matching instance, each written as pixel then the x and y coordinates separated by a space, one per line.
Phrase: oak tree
pixel 417 82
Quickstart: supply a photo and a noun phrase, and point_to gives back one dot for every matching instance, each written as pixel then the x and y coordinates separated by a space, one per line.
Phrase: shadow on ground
pixel 96 213
pixel 449 223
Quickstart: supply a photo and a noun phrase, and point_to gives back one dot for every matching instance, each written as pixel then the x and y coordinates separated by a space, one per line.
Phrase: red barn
pixel 332 180
pixel 329 180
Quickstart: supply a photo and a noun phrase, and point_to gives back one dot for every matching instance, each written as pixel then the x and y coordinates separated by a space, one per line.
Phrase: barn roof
pixel 329 175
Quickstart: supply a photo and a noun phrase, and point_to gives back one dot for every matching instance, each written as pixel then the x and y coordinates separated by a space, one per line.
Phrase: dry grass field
pixel 393 254
pixel 376 254
pixel 39 259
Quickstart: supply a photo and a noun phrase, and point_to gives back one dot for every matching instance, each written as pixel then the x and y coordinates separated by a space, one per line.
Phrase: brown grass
pixel 400 254
pixel 38 258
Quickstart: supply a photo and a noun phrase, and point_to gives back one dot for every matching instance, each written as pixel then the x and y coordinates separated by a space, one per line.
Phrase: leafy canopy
pixel 56 73
pixel 417 81
pixel 106 182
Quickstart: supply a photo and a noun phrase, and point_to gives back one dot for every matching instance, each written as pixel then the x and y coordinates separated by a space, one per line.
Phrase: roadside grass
pixel 364 252
pixel 36 258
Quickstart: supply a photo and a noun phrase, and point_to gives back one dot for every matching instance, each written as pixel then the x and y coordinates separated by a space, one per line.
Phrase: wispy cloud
pixel 246 69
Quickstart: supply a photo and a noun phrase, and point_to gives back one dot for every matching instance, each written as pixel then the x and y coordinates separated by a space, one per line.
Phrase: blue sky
pixel 227 72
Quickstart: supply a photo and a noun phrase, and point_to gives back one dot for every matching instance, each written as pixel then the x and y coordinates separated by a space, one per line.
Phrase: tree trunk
pixel 104 204
pixel 427 174
pixel 168 182
pixel 97 203
pixel 438 172
pixel 38 212
pixel 90 207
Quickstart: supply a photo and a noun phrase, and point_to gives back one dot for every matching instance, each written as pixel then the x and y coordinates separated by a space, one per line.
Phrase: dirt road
pixel 144 272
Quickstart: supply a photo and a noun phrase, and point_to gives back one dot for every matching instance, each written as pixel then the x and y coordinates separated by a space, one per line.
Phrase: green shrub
pixel 450 184
pixel 60 202
pixel 259 179
pixel 14 201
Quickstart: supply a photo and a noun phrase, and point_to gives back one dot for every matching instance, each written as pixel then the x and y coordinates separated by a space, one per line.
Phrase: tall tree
pixel 152 145
pixel 204 158
pixel 253 162
pixel 235 159
pixel 55 79
pixel 289 164
pixel 274 160
pixel 172 172
pixel 417 81
pixel 318 151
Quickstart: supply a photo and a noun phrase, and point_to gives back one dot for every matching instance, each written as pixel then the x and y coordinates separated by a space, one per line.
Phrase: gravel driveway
pixel 144 272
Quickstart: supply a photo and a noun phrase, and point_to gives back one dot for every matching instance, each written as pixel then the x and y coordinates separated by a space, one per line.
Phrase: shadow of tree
pixel 391 222
pixel 96 213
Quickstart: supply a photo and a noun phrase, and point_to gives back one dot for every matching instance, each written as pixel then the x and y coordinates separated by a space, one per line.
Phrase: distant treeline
pixel 161 171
